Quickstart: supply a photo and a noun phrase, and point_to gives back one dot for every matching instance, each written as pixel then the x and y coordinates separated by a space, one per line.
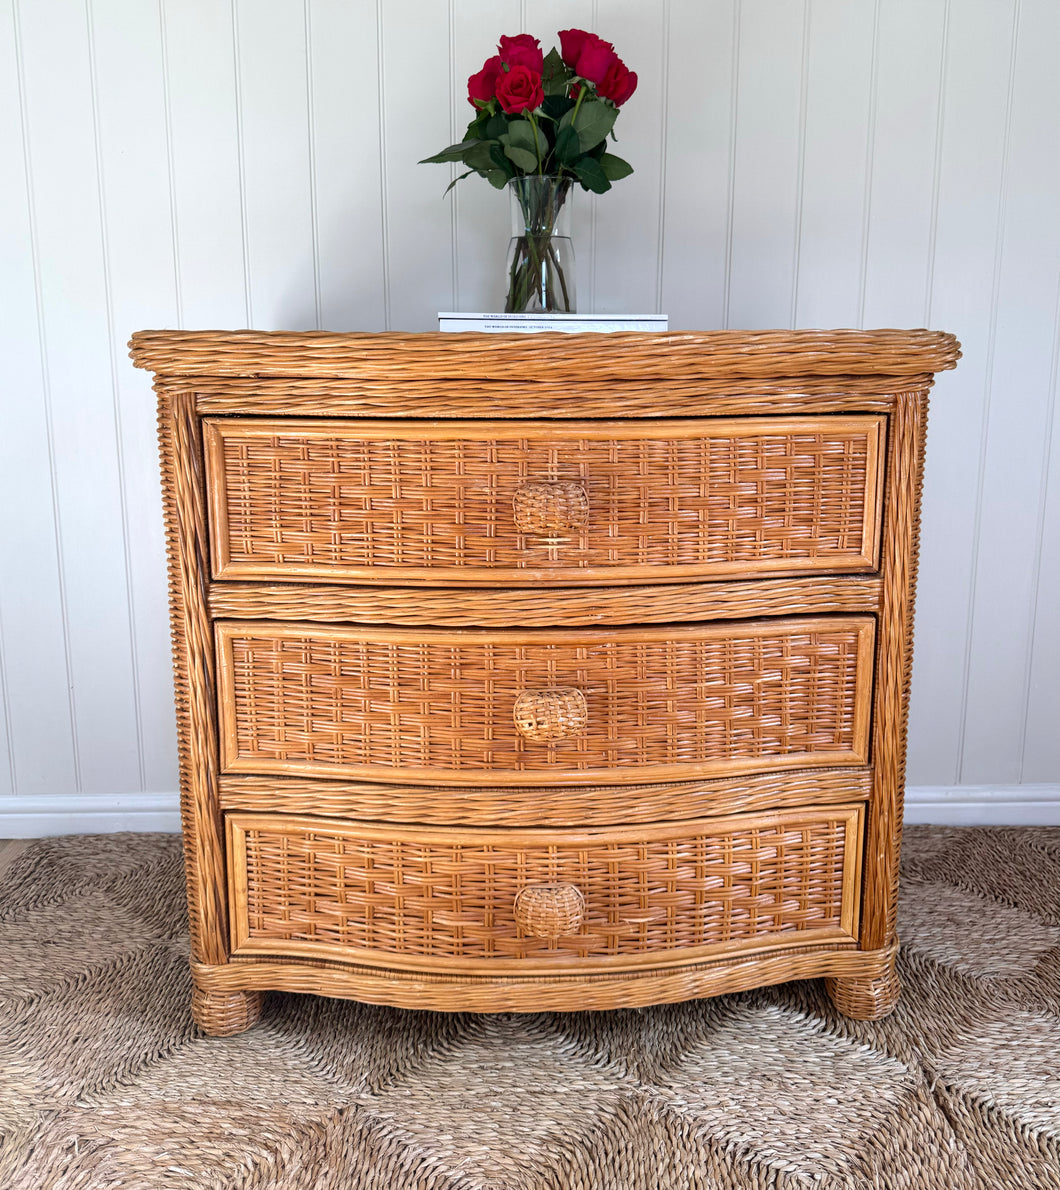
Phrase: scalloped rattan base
pixel 572 993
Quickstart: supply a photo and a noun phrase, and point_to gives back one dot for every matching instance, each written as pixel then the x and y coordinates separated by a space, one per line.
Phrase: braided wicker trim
pixel 561 400
pixel 556 805
pixel 628 356
pixel 441 607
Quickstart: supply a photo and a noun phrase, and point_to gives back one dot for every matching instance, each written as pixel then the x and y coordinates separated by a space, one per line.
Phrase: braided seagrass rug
pixel 105 1083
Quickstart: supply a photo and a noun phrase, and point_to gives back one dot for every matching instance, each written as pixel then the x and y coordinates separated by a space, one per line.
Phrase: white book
pixel 573 324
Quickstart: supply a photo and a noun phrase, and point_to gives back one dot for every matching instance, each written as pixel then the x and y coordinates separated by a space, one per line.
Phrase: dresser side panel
pixel 894 656
pixel 194 674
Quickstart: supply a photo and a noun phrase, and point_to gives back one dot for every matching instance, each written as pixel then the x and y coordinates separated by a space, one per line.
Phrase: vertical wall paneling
pixel 8 779
pixel 311 146
pixel 1041 700
pixel 208 221
pixel 223 163
pixel 15 263
pixel 837 143
pixel 454 205
pixel 976 82
pixel 415 124
pixel 128 85
pixel 344 73
pixel 911 53
pixel 627 216
pixel 384 178
pixel 766 166
pixel 69 223
pixel 272 96
pixel 37 714
pixel 1019 404
pixel 664 143
pixel 697 215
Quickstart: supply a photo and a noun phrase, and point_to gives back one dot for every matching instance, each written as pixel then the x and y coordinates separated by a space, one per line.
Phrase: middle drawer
pixel 545 705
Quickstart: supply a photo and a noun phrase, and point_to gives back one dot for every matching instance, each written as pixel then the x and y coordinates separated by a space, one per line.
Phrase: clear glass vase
pixel 540 269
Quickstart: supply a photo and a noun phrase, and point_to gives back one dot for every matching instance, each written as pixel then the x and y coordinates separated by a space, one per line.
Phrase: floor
pixel 105 1082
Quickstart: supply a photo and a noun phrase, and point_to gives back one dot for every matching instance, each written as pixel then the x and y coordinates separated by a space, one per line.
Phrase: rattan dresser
pixel 541 672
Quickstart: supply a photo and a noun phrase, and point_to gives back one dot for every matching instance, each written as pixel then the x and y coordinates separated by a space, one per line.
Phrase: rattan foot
pixel 221 1014
pixel 865 998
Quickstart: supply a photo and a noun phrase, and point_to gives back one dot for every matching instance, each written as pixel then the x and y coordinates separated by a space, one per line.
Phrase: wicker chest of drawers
pixel 541 672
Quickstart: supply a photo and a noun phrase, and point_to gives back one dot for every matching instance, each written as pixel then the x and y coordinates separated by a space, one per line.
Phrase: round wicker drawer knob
pixel 549 910
pixel 549 508
pixel 553 714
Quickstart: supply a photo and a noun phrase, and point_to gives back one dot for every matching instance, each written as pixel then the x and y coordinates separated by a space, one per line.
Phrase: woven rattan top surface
pixel 527 358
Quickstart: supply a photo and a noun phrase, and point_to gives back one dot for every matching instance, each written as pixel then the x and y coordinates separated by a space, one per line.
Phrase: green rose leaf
pixel 595 120
pixel 476 130
pixel 521 135
pixel 499 161
pixel 523 158
pixel 556 106
pixel 479 157
pixel 520 145
pixel 458 178
pixel 453 153
pixel 496 126
pixel 614 167
pixel 497 178
pixel 568 147
pixel 592 176
pixel 553 74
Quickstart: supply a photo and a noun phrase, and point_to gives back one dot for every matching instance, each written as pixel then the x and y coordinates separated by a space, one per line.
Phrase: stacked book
pixel 574 324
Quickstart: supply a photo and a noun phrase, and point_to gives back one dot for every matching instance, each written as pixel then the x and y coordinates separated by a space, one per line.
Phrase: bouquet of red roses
pixel 546 114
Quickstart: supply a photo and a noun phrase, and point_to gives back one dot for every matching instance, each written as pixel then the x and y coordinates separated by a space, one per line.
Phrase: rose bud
pixel 523 50
pixel 482 87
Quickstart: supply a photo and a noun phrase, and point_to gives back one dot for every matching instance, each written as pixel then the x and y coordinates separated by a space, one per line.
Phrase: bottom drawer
pixel 478 900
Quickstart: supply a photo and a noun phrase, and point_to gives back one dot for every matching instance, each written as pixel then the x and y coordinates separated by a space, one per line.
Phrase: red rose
pixel 595 59
pixel 570 45
pixel 618 84
pixel 520 89
pixel 482 87
pixel 523 50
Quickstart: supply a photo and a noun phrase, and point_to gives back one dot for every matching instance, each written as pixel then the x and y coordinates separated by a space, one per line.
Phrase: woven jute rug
pixel 105 1082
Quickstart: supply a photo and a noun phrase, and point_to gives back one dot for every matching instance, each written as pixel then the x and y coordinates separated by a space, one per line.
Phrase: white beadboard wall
pixel 230 163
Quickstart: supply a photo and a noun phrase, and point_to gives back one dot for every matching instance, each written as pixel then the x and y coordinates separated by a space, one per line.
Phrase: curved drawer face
pixel 462 502
pixel 421 897
pixel 544 706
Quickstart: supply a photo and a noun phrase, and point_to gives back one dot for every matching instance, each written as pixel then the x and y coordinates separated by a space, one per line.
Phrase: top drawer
pixel 525 502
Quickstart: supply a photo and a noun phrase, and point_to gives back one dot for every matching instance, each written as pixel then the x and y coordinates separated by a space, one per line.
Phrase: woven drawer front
pixel 650 893
pixel 653 703
pixel 464 502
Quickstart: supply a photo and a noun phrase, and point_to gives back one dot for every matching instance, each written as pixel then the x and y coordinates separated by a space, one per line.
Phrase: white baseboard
pixel 89 814
pixel 983 805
